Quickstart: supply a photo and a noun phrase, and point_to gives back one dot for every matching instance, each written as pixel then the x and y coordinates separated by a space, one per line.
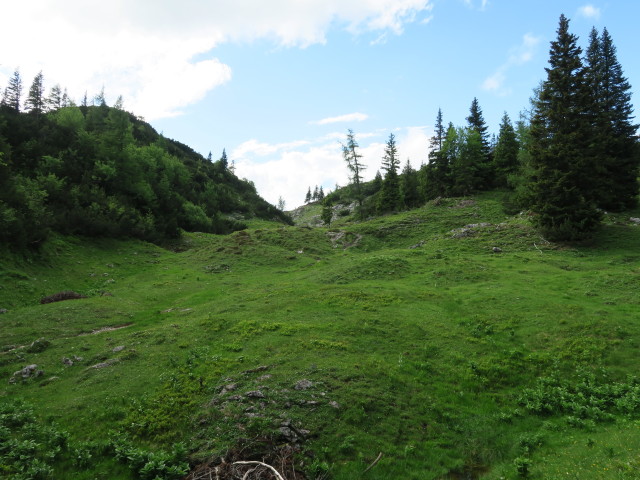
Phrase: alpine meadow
pixel 476 316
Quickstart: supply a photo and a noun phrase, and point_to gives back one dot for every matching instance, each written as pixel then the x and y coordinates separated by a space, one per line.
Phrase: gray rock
pixel 228 388
pixel 254 394
pixel 303 384
pixel 117 349
pixel 496 250
pixel 30 371
pixel 3 310
pixel 67 361
pixel 634 220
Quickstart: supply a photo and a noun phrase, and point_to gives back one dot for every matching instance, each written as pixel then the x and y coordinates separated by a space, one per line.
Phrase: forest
pixel 99 171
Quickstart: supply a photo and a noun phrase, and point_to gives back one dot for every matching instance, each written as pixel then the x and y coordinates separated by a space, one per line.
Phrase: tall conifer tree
pixel 613 144
pixel 437 171
pixel 476 122
pixel 13 93
pixel 389 198
pixel 562 169
pixel 35 101
pixel 505 156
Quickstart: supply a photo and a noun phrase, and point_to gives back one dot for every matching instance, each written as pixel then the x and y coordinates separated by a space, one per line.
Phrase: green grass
pixel 416 344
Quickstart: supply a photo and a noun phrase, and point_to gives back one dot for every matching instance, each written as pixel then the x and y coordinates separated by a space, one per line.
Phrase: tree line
pixel 97 170
pixel 574 155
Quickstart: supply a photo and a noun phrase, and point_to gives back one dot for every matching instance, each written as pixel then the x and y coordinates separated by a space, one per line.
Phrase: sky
pixel 278 83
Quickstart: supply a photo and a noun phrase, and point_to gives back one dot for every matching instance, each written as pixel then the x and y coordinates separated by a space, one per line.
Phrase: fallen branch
pixel 275 472
pixel 373 464
pixel 534 244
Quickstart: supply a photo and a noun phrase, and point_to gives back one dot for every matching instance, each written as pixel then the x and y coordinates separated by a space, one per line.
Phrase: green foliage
pixel 505 155
pixel 99 171
pixel 587 398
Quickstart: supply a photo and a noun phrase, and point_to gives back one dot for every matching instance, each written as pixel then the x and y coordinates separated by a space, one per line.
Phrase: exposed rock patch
pixel 30 371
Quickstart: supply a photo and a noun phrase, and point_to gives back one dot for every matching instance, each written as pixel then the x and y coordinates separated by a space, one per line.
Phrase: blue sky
pixel 278 83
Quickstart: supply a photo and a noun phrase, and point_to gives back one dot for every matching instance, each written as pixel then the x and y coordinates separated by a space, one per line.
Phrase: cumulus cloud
pixel 158 53
pixel 287 169
pixel 518 55
pixel 349 117
pixel 589 11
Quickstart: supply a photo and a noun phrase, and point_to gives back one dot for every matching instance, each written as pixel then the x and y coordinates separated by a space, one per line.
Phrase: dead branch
pixel 275 472
pixel 373 464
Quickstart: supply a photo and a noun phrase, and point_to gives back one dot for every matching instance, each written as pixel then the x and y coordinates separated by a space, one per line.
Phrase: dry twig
pixel 275 472
pixel 373 464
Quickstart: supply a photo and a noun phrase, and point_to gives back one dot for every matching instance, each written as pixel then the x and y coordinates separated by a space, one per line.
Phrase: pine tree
pixel 13 93
pixel 561 164
pixel 307 197
pixel 35 102
pixel 476 122
pixel 505 157
pixel 390 199
pixel 320 193
pixel 613 141
pixel 314 196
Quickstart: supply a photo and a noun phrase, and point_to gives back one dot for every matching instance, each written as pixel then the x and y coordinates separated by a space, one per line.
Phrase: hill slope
pixel 450 339
pixel 102 172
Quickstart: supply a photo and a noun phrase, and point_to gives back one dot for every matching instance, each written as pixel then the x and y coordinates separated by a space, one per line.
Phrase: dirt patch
pixel 61 296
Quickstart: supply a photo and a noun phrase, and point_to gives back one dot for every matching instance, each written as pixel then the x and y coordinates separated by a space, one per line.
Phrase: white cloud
pixel 350 117
pixel 157 53
pixel 589 11
pixel 518 55
pixel 288 169
pixel 472 4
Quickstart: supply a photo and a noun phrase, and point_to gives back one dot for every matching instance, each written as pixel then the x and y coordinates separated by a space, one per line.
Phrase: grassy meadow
pixel 446 342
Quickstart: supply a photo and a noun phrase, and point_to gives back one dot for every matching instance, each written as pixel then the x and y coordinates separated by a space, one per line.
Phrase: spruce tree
pixel 307 197
pixel 224 161
pixel 437 171
pixel 409 186
pixel 35 102
pixel 505 156
pixel 389 199
pixel 613 140
pixel 476 122
pixel 562 167
pixel 13 93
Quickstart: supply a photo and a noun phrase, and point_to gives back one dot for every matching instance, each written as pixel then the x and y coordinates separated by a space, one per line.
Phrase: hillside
pixel 102 172
pixel 449 341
